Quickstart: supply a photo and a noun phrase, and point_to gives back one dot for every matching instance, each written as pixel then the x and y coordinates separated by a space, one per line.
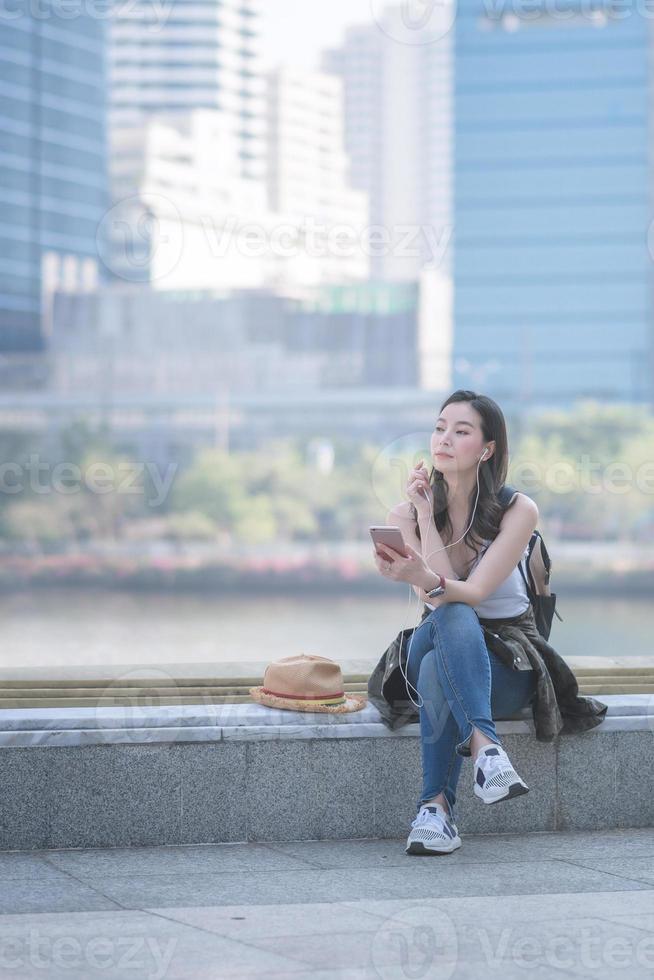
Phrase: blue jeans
pixel 460 684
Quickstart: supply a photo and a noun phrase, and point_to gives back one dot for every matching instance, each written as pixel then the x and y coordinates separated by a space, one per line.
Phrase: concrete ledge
pixel 218 773
pixel 118 724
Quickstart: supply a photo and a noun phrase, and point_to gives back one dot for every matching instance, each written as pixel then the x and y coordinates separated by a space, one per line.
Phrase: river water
pixel 63 628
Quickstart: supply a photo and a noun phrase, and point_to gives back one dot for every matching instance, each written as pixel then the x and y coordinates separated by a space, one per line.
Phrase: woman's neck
pixel 459 494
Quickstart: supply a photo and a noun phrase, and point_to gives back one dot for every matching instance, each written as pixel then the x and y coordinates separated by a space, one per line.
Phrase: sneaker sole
pixel 417 847
pixel 515 789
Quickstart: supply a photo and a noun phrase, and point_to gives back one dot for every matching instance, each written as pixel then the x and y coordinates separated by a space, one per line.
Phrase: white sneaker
pixel 495 777
pixel 433 832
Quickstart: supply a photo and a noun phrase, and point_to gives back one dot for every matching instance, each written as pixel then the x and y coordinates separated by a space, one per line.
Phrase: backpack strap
pixel 506 495
pixel 531 585
pixel 547 561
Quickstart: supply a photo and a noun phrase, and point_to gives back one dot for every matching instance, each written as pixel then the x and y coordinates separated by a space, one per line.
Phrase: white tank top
pixel 509 598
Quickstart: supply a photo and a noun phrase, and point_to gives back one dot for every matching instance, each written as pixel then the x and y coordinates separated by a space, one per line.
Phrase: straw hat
pixel 306 683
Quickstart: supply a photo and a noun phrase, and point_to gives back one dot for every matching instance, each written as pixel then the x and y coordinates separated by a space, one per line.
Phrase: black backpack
pixel 537 580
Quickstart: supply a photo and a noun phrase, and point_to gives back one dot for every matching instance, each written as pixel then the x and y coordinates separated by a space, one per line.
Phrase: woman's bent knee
pixel 454 614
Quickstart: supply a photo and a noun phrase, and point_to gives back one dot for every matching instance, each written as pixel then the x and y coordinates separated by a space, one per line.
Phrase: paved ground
pixel 510 906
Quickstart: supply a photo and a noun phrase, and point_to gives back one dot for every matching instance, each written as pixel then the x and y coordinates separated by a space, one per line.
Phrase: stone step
pixel 156 697
pixel 127 700
pixel 152 677
pixel 169 691
pixel 112 691
pixel 637 688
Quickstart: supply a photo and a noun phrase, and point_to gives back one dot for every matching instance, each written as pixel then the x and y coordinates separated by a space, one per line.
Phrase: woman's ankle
pixel 438 799
pixel 478 741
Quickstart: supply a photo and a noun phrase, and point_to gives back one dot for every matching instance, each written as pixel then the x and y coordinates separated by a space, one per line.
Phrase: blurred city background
pixel 248 247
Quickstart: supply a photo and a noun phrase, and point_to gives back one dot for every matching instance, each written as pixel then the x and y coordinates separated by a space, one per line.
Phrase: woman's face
pixel 459 438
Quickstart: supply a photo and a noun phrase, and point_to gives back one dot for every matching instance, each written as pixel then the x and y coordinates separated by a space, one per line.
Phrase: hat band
pixel 318 698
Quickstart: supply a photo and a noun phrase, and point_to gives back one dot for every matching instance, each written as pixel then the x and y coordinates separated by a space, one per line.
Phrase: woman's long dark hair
pixel 492 475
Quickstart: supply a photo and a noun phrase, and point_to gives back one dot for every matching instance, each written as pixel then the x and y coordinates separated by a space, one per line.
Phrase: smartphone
pixel 391 535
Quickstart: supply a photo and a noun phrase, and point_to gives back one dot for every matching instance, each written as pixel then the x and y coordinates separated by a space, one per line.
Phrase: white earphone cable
pixel 427 557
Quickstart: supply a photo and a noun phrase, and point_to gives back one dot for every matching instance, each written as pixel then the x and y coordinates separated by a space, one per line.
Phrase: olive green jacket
pixel 557 708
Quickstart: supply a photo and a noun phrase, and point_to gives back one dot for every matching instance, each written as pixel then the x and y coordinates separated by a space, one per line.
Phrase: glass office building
pixel 552 269
pixel 192 54
pixel 53 184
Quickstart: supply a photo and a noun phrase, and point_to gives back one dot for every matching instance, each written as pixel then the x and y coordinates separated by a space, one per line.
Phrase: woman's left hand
pixel 393 565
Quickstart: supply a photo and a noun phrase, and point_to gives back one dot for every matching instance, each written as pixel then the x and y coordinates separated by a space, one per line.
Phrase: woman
pixel 459 537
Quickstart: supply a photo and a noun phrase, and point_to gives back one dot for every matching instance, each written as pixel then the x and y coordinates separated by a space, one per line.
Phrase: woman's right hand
pixel 417 483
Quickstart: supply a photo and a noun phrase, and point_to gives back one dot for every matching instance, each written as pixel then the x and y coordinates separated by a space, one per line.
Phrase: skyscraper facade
pixel 398 125
pixel 53 183
pixel 308 180
pixel 191 54
pixel 552 202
